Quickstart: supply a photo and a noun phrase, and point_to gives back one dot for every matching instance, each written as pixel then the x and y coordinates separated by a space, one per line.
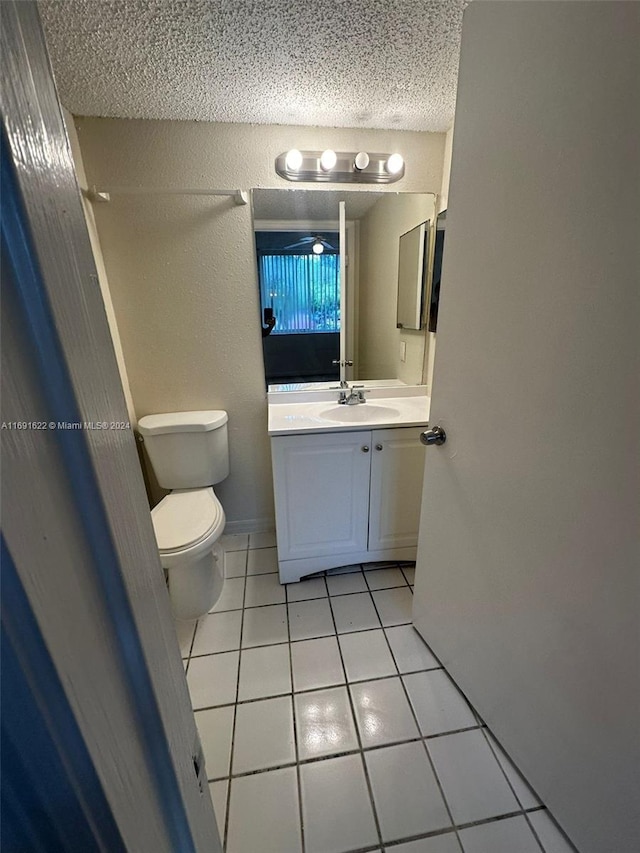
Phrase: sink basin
pixel 359 414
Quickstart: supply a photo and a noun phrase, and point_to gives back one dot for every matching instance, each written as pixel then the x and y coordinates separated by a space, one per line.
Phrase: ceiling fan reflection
pixel 317 243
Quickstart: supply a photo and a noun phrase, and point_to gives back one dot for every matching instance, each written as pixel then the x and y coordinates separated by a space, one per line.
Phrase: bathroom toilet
pixel 189 452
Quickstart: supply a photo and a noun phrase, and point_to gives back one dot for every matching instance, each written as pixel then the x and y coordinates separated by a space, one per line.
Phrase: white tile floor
pixel 328 726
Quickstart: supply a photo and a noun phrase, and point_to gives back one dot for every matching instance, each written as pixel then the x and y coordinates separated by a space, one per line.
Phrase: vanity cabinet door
pixel 397 468
pixel 321 485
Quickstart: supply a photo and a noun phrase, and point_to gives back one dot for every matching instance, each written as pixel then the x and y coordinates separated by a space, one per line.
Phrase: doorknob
pixel 435 435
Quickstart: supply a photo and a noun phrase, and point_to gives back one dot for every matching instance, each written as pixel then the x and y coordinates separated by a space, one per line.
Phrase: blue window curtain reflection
pixel 302 288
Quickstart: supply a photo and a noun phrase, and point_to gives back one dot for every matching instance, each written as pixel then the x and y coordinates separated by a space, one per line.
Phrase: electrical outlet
pixel 403 350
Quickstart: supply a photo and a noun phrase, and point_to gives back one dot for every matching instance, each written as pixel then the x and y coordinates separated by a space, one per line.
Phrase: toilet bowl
pixel 189 453
pixel 187 524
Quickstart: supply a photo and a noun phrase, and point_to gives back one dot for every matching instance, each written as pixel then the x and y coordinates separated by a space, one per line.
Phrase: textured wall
pixel 379 339
pixel 182 272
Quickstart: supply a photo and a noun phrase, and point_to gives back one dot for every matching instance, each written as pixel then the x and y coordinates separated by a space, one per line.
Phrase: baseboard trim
pixel 250 525
pixel 293 570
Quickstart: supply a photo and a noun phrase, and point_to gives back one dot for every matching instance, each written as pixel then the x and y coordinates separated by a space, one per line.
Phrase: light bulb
pixel 361 160
pixel 293 160
pixel 394 164
pixel 317 248
pixel 328 160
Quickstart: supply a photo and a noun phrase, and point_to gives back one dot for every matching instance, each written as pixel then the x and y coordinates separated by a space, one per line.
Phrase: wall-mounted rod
pixel 103 194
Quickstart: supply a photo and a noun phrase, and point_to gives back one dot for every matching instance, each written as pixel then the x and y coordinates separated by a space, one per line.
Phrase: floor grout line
pixel 486 731
pixel 193 639
pixel 417 722
pixel 341 754
pixel 354 681
pixel 356 727
pixel 381 845
pixel 301 601
pixel 432 833
pixel 513 790
pixel 225 832
pixel 311 639
pixel 295 728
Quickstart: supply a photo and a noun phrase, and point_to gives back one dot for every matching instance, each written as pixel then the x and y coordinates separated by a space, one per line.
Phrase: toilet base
pixel 195 587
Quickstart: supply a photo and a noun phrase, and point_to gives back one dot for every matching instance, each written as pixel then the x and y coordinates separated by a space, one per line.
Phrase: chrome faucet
pixel 354 396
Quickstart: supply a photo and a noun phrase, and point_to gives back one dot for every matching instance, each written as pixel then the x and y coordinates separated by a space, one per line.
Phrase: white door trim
pixel 78 525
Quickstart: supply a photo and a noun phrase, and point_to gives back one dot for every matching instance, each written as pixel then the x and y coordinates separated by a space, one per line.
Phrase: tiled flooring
pixel 328 725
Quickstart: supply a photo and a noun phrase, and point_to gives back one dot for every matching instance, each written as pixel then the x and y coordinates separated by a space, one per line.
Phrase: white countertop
pixel 318 411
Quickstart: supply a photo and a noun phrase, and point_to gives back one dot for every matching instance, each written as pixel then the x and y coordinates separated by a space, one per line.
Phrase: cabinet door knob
pixel 365 448
pixel 379 447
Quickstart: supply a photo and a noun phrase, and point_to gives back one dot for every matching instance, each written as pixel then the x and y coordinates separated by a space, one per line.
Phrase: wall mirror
pixel 329 290
pixel 412 273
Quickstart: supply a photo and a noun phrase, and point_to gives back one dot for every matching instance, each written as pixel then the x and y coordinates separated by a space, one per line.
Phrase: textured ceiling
pixel 330 63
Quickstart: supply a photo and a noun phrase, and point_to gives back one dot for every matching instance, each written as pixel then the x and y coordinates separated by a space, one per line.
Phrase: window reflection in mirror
pixel 299 281
pixel 298 250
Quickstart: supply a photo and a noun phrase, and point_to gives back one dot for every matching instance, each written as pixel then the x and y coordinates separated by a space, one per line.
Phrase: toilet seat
pixel 186 523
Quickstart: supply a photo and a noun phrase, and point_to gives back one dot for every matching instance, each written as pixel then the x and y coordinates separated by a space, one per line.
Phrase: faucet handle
pixel 359 389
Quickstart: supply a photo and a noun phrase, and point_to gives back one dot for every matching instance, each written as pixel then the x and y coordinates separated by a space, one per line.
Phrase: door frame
pixel 77 526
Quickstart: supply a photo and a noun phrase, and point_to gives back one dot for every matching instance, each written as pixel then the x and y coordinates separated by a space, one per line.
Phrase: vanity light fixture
pixel 328 160
pixel 293 160
pixel 340 167
pixel 395 164
pixel 361 160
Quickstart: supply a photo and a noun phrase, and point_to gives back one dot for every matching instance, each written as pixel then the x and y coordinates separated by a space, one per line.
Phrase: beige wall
pixel 99 260
pixel 182 271
pixel 379 340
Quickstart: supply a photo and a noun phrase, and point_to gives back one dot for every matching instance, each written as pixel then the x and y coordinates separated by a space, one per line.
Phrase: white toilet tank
pixel 188 450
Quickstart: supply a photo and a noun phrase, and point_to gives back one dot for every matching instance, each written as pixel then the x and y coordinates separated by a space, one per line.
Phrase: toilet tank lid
pixel 182 422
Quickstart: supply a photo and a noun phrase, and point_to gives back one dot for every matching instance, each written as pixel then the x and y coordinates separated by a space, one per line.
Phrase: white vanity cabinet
pixel 346 497
pixel 395 493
